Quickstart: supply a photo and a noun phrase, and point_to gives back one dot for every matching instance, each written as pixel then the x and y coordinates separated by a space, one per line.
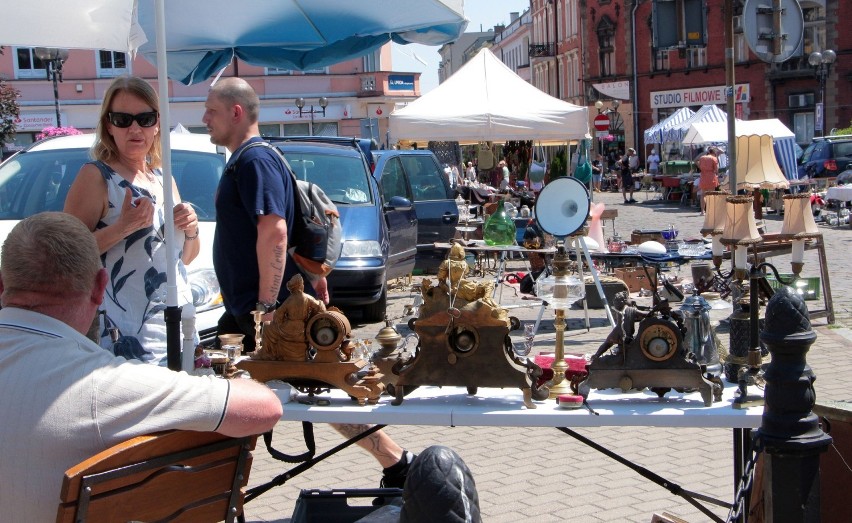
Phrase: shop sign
pixel 617 90
pixel 35 121
pixel 400 82
pixel 291 113
pixel 714 95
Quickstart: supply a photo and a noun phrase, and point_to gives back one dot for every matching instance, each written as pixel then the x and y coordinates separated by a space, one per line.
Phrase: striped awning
pixel 707 113
pixel 654 134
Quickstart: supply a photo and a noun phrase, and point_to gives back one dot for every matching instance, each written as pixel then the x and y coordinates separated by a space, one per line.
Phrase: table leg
pixel 742 454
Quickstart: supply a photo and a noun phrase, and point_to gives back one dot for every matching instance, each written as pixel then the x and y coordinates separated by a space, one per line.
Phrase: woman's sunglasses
pixel 124 120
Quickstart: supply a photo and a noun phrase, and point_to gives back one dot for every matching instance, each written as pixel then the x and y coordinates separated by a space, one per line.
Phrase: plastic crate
pixel 808 288
pixel 339 506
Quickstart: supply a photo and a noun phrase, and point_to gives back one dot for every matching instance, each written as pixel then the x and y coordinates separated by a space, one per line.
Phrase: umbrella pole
pixel 173 312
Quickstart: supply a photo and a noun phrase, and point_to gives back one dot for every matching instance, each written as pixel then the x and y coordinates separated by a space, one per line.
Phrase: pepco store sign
pixel 714 95
pixel 35 121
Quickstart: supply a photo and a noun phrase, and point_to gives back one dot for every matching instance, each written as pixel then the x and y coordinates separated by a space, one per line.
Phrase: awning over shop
pixel 654 134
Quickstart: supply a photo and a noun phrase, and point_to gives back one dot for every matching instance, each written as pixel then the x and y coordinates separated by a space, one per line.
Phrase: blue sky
pixel 483 15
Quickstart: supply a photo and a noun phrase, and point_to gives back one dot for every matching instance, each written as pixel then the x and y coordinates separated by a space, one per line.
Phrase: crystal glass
pixel 560 291
pixel 523 349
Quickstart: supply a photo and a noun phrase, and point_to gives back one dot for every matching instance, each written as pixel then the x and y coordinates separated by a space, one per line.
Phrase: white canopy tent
pixel 784 141
pixel 485 101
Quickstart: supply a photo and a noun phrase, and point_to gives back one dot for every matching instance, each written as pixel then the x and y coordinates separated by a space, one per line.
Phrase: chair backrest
pixel 167 476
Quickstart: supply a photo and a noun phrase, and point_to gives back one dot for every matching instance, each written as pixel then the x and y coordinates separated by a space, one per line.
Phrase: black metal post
pixel 174 347
pixel 789 433
pixel 53 73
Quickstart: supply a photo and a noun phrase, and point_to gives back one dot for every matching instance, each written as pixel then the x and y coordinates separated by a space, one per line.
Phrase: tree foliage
pixel 9 112
pixel 847 130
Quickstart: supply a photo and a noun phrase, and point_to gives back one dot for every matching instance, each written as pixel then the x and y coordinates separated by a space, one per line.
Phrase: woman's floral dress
pixel 136 291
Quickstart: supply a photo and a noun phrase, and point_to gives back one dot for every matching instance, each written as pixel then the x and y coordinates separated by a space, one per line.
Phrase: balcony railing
pixel 542 50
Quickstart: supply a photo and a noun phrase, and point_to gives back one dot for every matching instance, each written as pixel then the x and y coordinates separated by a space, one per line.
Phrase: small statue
pixel 452 270
pixel 616 335
pixel 626 314
pixel 285 338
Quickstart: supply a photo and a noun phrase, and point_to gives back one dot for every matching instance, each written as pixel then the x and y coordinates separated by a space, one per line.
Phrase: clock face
pixel 659 341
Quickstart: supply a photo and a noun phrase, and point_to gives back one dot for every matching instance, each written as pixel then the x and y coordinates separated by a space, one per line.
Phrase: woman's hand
pixel 186 220
pixel 136 213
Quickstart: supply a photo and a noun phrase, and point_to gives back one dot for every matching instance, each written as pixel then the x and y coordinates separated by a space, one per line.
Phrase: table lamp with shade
pixel 740 232
pixel 757 167
pixel 714 223
pixel 798 226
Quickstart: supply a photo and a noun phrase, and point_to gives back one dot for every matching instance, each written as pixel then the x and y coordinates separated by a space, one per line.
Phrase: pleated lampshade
pixel 798 218
pixel 756 164
pixel 740 227
pixel 714 217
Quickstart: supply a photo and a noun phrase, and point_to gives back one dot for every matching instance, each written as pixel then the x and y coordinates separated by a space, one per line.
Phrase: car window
pixel 842 149
pixel 38 181
pixel 34 182
pixel 393 180
pixel 427 180
pixel 806 156
pixel 197 176
pixel 342 178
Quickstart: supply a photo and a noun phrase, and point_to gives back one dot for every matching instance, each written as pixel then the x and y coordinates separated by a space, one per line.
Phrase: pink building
pixel 361 93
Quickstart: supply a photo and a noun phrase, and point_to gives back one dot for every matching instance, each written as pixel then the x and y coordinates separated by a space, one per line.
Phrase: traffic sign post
pixel 602 122
pixel 773 32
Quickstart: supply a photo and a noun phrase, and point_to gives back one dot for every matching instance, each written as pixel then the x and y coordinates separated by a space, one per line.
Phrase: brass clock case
pixel 659 339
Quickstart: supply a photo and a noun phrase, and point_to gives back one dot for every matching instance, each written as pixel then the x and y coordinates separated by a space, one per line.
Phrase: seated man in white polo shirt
pixel 64 397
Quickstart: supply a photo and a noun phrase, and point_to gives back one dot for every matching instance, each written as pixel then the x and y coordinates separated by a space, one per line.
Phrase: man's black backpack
pixel 316 236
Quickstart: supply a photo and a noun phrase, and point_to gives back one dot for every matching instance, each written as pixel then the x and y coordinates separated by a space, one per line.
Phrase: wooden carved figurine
pixel 285 338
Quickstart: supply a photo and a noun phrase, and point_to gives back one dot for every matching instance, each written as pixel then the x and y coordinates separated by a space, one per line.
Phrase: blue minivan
pixel 379 234
pixel 416 175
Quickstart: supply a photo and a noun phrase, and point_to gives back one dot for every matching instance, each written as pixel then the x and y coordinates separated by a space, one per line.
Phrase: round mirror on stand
pixel 562 207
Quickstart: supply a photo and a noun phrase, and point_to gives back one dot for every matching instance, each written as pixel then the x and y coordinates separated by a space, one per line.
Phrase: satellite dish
pixel 562 207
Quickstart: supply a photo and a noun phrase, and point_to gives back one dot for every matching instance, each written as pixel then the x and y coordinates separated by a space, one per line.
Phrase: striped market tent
pixel 654 134
pixel 707 113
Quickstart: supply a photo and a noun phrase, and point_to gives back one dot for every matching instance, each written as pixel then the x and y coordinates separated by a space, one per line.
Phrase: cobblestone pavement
pixel 541 473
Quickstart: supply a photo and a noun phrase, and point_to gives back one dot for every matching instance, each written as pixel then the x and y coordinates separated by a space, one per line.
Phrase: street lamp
pixel 821 62
pixel 323 103
pixel 52 58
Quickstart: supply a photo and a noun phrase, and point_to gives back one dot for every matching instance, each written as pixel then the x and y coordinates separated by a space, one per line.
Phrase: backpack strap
pixel 232 165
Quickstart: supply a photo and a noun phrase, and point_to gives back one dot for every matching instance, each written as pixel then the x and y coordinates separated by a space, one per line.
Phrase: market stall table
pixel 453 406
pixel 841 193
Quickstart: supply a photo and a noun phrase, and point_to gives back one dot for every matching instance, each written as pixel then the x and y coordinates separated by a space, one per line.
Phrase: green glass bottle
pixel 499 229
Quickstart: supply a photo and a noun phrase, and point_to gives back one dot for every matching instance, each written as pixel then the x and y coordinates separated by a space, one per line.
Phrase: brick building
pixel 360 93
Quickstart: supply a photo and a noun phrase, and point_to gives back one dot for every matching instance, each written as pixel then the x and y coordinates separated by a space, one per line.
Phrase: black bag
pixel 527 285
pixel 316 236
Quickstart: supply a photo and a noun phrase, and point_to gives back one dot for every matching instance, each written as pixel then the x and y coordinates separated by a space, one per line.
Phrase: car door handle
pixel 448 217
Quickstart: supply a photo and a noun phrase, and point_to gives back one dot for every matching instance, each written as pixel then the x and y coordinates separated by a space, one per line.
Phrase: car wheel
pixel 376 311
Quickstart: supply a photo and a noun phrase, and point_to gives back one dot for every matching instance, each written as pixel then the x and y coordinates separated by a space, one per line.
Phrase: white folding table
pixel 453 406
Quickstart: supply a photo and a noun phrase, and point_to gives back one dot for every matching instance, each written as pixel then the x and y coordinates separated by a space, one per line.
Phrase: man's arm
pixel 252 409
pixel 271 255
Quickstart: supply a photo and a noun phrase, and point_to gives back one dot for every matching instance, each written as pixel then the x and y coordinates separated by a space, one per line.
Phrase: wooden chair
pixel 167 476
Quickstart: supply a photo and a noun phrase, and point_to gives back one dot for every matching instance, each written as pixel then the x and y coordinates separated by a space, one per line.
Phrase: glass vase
pixel 499 229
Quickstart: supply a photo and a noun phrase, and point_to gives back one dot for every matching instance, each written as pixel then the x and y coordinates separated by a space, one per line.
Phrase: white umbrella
pixel 210 33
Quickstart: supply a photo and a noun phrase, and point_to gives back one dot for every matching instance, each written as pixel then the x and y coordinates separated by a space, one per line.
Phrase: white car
pixel 37 179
